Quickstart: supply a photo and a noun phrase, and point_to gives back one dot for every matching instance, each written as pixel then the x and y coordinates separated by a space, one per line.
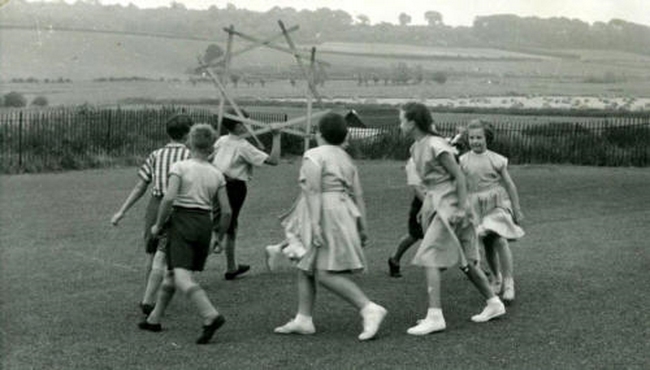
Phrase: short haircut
pixel 202 137
pixel 488 130
pixel 178 126
pixel 230 123
pixel 333 128
pixel 420 114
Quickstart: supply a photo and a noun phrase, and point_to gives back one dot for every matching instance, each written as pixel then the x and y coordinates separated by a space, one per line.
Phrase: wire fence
pixel 87 137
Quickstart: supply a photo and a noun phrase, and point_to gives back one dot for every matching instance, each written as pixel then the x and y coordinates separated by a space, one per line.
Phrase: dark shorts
pixel 415 229
pixel 151 244
pixel 189 233
pixel 236 191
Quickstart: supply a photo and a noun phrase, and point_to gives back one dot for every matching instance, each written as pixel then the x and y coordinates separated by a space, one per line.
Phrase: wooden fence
pixel 86 137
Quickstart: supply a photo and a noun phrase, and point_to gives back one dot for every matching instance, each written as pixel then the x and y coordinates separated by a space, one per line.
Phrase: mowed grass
pixel 71 282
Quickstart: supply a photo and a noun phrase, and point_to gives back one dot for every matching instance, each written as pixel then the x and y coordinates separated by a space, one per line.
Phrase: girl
pixel 449 234
pixel 332 224
pixel 495 204
pixel 193 186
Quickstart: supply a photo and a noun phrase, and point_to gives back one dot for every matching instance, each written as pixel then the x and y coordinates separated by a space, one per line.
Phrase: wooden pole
pixel 309 99
pixel 296 55
pixel 226 72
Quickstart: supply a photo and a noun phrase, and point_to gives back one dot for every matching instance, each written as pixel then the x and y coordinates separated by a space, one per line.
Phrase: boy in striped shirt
pixel 155 171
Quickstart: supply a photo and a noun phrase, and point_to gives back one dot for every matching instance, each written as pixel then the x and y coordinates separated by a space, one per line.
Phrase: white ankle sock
pixel 434 313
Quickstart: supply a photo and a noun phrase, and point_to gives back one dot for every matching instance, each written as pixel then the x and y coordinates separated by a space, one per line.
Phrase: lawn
pixel 71 282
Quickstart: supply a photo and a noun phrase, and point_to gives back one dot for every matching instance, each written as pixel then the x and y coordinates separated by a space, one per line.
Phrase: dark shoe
pixel 209 330
pixel 150 327
pixel 146 308
pixel 241 269
pixel 393 268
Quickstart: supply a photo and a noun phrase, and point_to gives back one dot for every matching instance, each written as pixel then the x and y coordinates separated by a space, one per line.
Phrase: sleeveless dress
pixel 489 200
pixel 341 250
pixel 449 239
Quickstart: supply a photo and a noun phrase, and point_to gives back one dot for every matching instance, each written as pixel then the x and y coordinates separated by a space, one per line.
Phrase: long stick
pixel 226 72
pixel 282 125
pixel 292 46
pixel 309 99
pixel 222 89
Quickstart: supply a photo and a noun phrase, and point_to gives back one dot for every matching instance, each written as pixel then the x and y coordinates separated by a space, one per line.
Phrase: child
pixel 414 228
pixel 194 185
pixel 154 171
pixel 332 221
pixel 235 157
pixel 495 204
pixel 449 234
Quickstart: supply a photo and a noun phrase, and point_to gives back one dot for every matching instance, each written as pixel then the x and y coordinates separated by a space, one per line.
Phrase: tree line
pixel 500 31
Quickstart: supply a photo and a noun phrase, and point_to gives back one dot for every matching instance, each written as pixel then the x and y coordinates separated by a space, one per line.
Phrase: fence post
pixel 20 140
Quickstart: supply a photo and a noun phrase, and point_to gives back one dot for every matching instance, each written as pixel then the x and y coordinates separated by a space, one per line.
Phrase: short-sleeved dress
pixel 340 215
pixel 448 240
pixel 490 202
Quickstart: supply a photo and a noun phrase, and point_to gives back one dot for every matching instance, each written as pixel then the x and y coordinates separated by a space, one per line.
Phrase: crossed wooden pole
pixel 308 73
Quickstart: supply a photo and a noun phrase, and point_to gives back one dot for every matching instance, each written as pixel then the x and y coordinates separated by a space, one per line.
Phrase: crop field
pixel 71 282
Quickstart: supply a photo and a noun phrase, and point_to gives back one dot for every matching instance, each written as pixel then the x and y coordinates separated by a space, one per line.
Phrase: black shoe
pixel 241 269
pixel 146 308
pixel 144 325
pixel 209 330
pixel 393 268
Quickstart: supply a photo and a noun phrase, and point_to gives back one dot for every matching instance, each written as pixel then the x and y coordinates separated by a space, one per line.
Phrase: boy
pixel 195 185
pixel 155 171
pixel 236 157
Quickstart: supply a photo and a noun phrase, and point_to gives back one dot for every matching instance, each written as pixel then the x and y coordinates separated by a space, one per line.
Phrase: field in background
pixel 71 282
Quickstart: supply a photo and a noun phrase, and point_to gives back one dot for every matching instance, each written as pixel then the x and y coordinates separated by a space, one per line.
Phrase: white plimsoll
pixel 373 314
pixel 273 256
pixel 508 290
pixel 428 325
pixel 493 309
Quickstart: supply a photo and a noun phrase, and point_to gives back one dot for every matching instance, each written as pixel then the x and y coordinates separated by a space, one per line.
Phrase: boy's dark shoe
pixel 144 325
pixel 209 330
pixel 146 308
pixel 393 268
pixel 241 269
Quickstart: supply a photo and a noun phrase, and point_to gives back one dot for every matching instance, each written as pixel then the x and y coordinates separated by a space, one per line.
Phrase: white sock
pixel 494 300
pixel 434 313
pixel 303 319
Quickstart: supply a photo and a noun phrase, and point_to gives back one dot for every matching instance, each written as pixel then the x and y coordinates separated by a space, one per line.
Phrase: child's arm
pixel 138 191
pixel 274 157
pixel 419 191
pixel 166 203
pixel 513 194
pixel 312 190
pixel 224 211
pixel 449 163
pixel 361 204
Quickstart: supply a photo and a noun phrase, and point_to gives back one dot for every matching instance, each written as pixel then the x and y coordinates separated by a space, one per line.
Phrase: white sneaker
pixel 372 318
pixel 428 326
pixel 508 290
pixel 491 311
pixel 273 255
pixel 293 327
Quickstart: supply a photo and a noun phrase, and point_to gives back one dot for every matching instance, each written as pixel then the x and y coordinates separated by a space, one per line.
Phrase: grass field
pixel 71 282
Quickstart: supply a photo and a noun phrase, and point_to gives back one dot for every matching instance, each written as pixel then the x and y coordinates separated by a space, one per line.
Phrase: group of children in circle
pixel 461 201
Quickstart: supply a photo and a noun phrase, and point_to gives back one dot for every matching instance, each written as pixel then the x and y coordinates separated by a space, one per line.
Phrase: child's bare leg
pixel 186 284
pixel 494 307
pixel 434 321
pixel 306 293
pixel 492 258
pixel 155 278
pixel 165 295
pixel 505 259
pixel 405 243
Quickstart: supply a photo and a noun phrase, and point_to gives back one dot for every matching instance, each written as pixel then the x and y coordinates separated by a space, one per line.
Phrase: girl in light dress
pixel 329 221
pixel 450 236
pixel 495 204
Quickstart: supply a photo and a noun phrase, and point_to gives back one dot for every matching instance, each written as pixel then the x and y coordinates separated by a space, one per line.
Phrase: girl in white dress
pixel 331 220
pixel 450 236
pixel 495 204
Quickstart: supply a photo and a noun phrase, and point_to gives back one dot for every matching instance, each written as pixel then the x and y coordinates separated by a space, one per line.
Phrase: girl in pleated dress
pixel 450 236
pixel 329 220
pixel 495 204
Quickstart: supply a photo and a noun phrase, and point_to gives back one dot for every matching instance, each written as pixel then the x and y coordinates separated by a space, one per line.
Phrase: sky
pixel 454 12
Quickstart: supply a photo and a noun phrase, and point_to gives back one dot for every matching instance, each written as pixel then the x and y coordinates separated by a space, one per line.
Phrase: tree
pixel 363 19
pixel 15 99
pixel 433 18
pixel 213 52
pixel 40 101
pixel 404 19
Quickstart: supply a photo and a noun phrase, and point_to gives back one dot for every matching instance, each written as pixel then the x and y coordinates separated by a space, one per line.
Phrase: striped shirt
pixel 156 167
